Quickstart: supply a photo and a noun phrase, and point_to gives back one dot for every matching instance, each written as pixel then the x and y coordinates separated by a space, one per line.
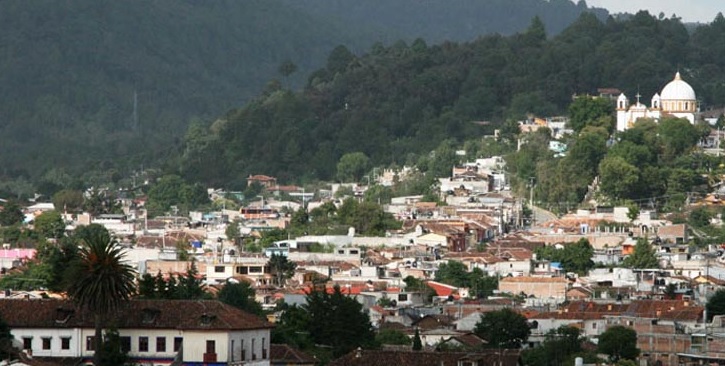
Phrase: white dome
pixel 678 89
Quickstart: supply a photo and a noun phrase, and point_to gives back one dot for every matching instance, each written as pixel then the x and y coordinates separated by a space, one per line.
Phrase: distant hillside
pixel 397 103
pixel 90 85
pixel 448 20
pixel 70 71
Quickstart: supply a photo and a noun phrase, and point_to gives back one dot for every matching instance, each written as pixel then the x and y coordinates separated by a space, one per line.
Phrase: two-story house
pixel 154 332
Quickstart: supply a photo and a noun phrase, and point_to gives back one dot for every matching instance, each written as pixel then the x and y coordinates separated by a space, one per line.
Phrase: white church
pixel 676 99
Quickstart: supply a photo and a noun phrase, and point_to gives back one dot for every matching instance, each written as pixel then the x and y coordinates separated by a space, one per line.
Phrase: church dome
pixel 678 89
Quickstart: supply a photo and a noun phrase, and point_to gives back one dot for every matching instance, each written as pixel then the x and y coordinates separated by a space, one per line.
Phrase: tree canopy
pixel 328 321
pixel 503 328
pixel 643 256
pixel 574 257
pixel 619 343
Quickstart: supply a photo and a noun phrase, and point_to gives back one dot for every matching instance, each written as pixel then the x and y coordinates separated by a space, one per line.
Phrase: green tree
pixel 503 328
pixel 241 296
pixel 643 256
pixel 574 257
pixel 191 285
pixel 618 178
pixel 68 200
pixel 453 273
pixel 678 135
pixel 619 342
pixel 50 225
pixel 587 110
pixel 55 258
pixel 417 343
pixel 632 212
pixel 352 167
pixel 282 268
pixel 481 284
pixel 338 321
pixel 700 217
pixel 560 346
pixel 7 351
pixel 147 287
pixel 113 353
pixel 716 304
pixel 287 68
pixel 11 214
pixel 99 280
pixel 392 336
pixel 232 231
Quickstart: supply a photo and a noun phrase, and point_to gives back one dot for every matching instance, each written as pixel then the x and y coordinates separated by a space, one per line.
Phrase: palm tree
pixel 98 280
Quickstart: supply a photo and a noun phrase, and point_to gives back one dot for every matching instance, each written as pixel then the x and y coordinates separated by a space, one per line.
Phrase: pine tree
pixel 417 343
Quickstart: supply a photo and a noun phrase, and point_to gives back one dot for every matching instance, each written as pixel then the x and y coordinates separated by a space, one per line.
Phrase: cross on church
pixel 638 96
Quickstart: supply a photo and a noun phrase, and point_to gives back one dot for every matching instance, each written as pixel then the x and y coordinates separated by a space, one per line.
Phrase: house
pixel 504 357
pixel 285 355
pixel 265 181
pixel 665 328
pixel 155 332
pixel 676 234
pixel 546 289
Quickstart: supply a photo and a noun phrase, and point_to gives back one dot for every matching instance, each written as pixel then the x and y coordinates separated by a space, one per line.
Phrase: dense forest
pixel 445 20
pixel 93 89
pixel 397 103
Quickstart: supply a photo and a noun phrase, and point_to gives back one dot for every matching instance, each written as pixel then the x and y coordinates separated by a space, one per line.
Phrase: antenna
pixel 134 122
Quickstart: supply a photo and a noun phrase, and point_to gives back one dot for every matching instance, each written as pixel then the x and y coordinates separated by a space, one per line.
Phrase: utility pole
pixel 531 199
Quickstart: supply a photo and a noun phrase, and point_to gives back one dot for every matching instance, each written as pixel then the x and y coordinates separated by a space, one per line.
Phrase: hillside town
pixel 547 236
pixel 640 271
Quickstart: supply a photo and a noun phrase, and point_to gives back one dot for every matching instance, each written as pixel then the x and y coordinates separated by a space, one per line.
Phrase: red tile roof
pixel 288 355
pixel 139 314
pixel 442 289
pixel 424 358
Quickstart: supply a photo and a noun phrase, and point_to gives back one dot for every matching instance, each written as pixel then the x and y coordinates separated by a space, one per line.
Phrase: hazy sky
pixel 688 10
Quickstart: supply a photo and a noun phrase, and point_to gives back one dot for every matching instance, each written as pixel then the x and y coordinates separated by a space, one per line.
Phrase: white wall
pixel 193 346
pixel 55 343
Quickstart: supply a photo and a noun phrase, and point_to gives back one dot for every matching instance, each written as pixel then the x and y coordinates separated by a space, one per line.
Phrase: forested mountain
pixel 100 86
pixel 74 71
pixel 397 103
pixel 448 20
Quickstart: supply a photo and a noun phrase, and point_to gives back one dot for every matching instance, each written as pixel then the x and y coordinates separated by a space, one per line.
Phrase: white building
pixel 677 99
pixel 155 332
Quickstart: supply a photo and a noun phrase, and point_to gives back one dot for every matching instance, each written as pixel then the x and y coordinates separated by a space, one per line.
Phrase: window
pixel 594 325
pixel 160 344
pixel 27 342
pixel 244 352
pixel 65 343
pixel 402 297
pixel 46 342
pixel 178 341
pixel 232 350
pixel 143 344
pixel 90 343
pixel 210 346
pixel 218 269
pixel 126 344
pixel 254 354
pixel 255 269
pixel 264 350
